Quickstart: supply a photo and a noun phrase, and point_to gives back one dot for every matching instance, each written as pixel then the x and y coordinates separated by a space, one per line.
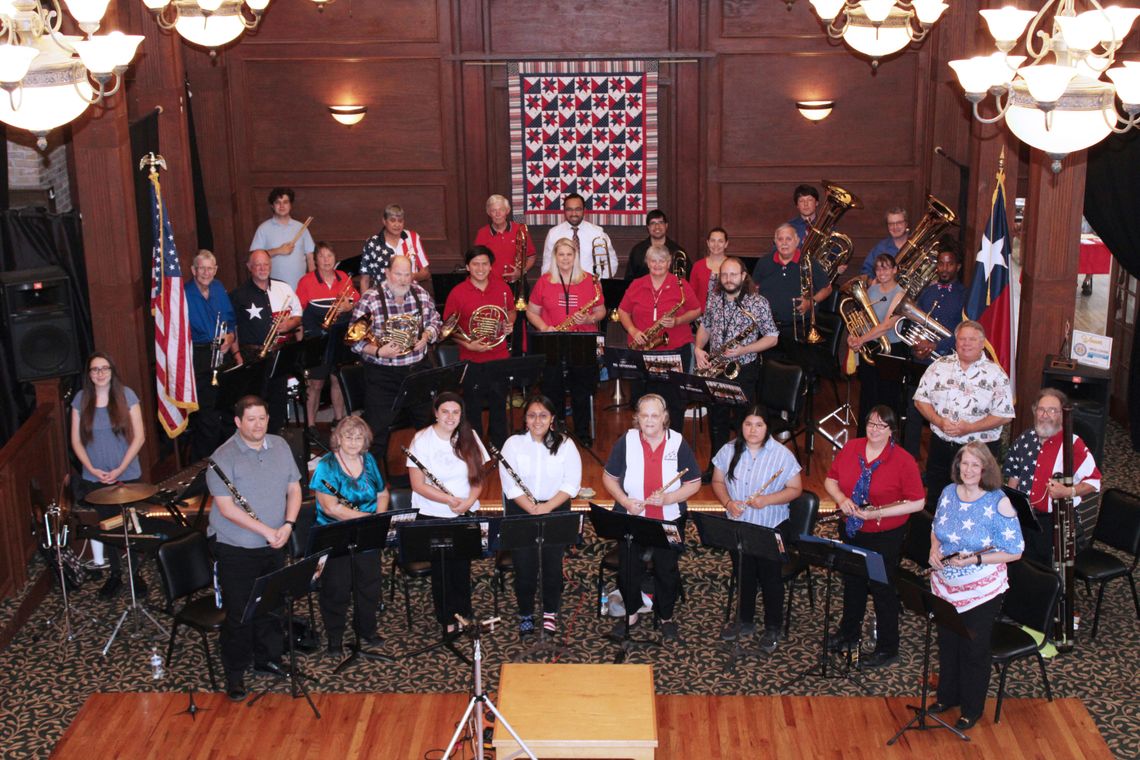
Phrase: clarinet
pixel 236 494
pixel 344 502
pixel 427 473
pixel 952 555
pixel 511 471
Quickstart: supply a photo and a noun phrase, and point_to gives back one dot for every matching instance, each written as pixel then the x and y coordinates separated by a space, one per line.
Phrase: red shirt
pixel 465 298
pixel 652 479
pixel 557 302
pixel 502 244
pixel 645 306
pixel 312 288
pixel 699 278
pixel 896 479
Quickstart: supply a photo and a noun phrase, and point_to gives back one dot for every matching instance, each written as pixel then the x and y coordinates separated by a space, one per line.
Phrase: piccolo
pixel 341 499
pixel 427 473
pixel 958 555
pixel 240 500
pixel 837 515
pixel 511 471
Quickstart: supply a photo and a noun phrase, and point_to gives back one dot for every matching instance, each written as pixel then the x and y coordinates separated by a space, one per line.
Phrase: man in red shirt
pixel 490 301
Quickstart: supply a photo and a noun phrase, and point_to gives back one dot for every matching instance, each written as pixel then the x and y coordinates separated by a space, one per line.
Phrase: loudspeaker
pixel 38 327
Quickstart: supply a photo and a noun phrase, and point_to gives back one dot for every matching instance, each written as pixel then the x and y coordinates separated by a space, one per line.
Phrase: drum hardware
pixel 55 540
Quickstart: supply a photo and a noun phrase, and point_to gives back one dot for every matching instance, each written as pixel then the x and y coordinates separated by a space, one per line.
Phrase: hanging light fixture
pixel 1059 103
pixel 878 28
pixel 208 23
pixel 51 78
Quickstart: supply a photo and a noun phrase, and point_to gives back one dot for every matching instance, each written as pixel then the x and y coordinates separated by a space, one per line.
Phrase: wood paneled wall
pixel 433 75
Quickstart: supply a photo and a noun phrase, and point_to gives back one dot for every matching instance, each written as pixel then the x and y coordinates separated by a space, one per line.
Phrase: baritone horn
pixel 917 325
pixel 829 248
pixel 400 330
pixel 859 316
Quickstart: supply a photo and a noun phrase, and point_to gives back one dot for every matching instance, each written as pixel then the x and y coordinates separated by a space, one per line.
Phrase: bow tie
pixel 947 287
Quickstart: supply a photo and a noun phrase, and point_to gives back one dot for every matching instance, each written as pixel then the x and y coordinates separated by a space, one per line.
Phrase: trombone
pixel 601 254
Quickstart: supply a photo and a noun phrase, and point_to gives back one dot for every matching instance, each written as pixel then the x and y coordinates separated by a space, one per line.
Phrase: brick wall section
pixel 28 170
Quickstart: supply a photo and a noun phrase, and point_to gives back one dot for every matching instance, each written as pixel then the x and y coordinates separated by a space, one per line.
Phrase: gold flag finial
pixel 1001 160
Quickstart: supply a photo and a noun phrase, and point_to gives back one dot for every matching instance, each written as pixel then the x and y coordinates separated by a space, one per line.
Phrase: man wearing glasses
pixel 658 225
pixel 584 234
pixel 896 236
pixel 211 316
pixel 1033 460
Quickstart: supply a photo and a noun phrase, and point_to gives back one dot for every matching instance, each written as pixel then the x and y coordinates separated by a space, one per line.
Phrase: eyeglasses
pixel 100 370
pixel 878 425
pixel 352 437
pixel 1049 412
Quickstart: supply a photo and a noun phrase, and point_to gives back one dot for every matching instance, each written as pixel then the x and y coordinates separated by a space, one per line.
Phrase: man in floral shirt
pixel 965 397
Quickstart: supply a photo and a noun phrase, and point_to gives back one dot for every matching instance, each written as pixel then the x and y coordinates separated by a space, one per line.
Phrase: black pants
pixel 666 389
pixel 874 389
pixel 964 664
pixel 275 390
pixel 485 388
pixel 381 386
pixel 526 571
pixel 765 574
pixel 939 458
pixel 583 383
pixel 260 640
pixel 723 419
pixel 337 582
pixel 208 426
pixel 666 579
pixel 888 543
pixel 455 576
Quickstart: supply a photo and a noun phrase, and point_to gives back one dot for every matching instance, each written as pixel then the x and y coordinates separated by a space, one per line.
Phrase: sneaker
pixel 526 625
pixel 550 622
pixel 669 631
pixel 770 639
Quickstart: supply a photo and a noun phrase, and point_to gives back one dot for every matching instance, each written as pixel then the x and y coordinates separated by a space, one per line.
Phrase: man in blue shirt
pixel 896 235
pixel 210 314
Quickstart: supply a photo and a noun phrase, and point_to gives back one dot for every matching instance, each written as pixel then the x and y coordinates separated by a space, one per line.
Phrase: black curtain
pixel 1112 207
pixel 29 239
pixel 201 208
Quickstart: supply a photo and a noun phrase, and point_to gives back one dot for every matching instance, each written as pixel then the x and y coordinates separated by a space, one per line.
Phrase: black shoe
pixel 770 640
pixel 618 631
pixel 965 724
pixel 669 631
pixel 235 690
pixel 837 642
pixel 111 587
pixel 336 647
pixel 272 668
pixel 937 708
pixel 880 659
pixel 371 640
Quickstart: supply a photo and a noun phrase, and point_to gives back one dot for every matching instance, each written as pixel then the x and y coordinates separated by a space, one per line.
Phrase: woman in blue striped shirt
pixel 755 477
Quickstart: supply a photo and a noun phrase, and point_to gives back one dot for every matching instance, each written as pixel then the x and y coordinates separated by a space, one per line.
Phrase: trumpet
pixel 272 337
pixel 217 355
pixel 916 325
pixel 240 500
pixel 601 254
pixel 719 364
pixel 680 264
pixel 917 259
pixel 432 479
pixel 521 236
pixel 400 330
pixel 495 453
pixel 343 299
pixel 859 316
pixel 570 321
pixel 656 336
pixel 487 326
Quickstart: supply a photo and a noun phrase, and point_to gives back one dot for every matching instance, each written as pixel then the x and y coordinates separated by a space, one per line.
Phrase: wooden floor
pixel 395 726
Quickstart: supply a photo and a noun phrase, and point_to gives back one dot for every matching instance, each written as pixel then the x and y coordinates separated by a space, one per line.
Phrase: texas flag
pixel 990 300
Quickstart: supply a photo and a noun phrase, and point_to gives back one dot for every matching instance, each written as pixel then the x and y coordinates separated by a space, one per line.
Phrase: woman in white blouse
pixel 547 461
pixel 451 452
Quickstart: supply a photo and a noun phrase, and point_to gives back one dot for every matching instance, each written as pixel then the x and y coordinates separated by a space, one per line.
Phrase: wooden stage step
pixel 391 726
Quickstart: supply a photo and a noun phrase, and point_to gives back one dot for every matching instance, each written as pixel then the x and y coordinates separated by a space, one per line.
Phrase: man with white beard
pixel 1035 457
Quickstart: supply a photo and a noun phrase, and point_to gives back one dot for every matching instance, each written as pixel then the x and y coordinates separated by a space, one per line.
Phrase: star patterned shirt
pixel 255 309
pixel 376 256
pixel 973 526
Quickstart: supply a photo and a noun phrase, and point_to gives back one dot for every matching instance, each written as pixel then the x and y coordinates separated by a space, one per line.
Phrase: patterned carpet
pixel 44 683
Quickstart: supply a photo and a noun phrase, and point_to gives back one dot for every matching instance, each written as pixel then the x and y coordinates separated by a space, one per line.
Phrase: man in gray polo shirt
pixel 262 470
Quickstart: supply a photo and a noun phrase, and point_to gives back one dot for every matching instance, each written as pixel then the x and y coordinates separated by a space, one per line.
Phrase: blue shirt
pixel 360 492
pixel 947 301
pixel 752 472
pixel 886 245
pixel 107 448
pixel 203 312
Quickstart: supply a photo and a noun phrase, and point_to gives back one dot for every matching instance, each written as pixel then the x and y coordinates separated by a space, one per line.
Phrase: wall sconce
pixel 815 110
pixel 348 115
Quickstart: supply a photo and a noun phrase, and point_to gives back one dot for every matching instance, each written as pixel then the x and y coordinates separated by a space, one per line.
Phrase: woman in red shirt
pixel 318 291
pixel 875 484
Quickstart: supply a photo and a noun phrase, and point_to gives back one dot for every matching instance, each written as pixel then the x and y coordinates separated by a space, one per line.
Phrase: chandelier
pixel 878 28
pixel 51 78
pixel 208 23
pixel 1059 103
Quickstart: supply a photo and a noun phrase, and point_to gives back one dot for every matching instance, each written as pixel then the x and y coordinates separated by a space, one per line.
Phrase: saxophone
pixel 719 364
pixel 569 323
pixel 656 336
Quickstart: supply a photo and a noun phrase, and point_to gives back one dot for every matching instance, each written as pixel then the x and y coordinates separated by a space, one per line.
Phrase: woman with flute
pixel 541 472
pixel 348 485
pixel 754 478
pixel 445 465
pixel 876 484
pixel 975 535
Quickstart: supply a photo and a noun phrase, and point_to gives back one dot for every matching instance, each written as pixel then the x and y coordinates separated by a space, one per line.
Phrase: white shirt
pixel 545 474
pixel 587 232
pixel 438 457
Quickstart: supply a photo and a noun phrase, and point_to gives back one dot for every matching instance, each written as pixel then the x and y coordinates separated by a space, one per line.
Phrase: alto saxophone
pixel 571 320
pixel 656 336
pixel 719 364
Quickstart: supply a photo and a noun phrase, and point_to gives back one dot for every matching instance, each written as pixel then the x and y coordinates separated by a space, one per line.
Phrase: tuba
pixel 829 248
pixel 916 325
pixel 487 326
pixel 859 316
pixel 917 259
pixel 400 330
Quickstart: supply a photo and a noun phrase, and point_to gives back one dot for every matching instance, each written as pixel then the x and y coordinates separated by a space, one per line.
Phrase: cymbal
pixel 123 493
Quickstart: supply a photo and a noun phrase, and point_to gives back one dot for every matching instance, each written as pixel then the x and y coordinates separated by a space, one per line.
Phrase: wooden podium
pixel 578 710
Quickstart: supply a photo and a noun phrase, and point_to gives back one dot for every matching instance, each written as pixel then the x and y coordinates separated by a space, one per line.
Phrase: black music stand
pixel 346 538
pixel 935 610
pixel 904 371
pixel 421 387
pixel 846 558
pixel 629 529
pixel 559 529
pixel 244 380
pixel 443 282
pixel 282 588
pixel 438 541
pixel 572 348
pixel 740 538
pixel 613 291
pixel 1026 515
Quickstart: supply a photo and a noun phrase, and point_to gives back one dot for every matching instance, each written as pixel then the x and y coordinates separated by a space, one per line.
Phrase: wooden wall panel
pixel 390 21
pixel 575 27
pixel 764 18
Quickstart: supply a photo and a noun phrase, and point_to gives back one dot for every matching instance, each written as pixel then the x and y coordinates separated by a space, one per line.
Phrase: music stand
pixel 625 363
pixel 574 349
pixel 282 588
pixel 520 371
pixel 346 538
pixel 1026 515
pixel 438 541
pixel 421 387
pixel 613 291
pixel 559 529
pixel 238 381
pixel 846 558
pixel 741 538
pixel 935 610
pixel 629 529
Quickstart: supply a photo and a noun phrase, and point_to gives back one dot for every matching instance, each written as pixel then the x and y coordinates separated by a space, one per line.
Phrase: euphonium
pixel 569 322
pixel 830 248
pixel 344 298
pixel 656 336
pixel 680 263
pixel 487 325
pixel 719 364
pixel 400 330
pixel 859 316
pixel 917 259
pixel 916 325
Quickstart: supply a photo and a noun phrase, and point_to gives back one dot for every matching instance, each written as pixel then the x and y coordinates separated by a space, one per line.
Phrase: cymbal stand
pixel 473 715
pixel 57 540
pixel 135 606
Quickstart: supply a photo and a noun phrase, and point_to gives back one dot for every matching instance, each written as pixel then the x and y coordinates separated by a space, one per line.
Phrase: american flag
pixel 177 394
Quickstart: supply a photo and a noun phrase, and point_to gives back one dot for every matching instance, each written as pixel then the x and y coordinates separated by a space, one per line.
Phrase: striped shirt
pixel 752 472
pixel 415 301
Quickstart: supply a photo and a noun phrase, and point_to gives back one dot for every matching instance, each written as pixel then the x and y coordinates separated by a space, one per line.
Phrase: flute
pixel 427 473
pixel 511 471
pixel 764 487
pixel 675 478
pixel 960 555
pixel 240 500
pixel 837 515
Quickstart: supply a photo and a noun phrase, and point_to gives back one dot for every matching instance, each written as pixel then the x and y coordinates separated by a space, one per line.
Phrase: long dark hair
pixel 554 435
pixel 117 408
pixel 463 441
pixel 738 446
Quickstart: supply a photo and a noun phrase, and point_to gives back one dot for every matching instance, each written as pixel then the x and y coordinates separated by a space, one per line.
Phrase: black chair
pixel 1030 602
pixel 351 377
pixel 186 568
pixel 783 388
pixel 1117 526
pixel 916 546
pixel 401 498
pixel 448 354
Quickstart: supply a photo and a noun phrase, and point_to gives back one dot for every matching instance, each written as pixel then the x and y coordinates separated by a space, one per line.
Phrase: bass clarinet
pixel 494 452
pixel 240 500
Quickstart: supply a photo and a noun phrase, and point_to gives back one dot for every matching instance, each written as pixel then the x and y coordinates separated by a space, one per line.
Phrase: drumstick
pixel 300 232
